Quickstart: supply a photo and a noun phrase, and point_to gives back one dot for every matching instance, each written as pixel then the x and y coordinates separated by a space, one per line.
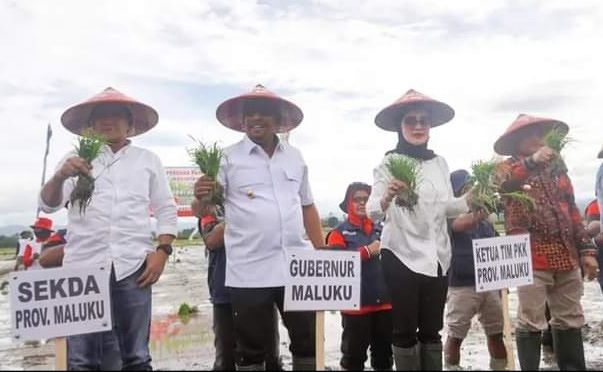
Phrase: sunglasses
pixel 262 108
pixel 414 121
pixel 360 199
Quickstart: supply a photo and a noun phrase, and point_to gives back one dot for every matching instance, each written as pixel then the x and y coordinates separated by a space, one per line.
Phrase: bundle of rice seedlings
pixel 557 140
pixel 486 195
pixel 406 170
pixel 88 147
pixel 208 158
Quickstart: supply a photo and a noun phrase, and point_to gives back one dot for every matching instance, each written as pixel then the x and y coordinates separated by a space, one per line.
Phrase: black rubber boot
pixel 528 349
pixel 407 359
pixel 431 356
pixel 569 349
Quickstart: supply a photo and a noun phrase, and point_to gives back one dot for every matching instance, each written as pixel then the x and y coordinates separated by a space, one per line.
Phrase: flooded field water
pixel 188 343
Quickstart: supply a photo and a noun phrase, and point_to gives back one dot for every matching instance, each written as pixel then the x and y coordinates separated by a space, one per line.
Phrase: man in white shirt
pixel 115 229
pixel 268 207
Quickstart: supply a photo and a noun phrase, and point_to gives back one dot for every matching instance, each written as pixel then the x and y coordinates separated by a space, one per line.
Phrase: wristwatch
pixel 166 248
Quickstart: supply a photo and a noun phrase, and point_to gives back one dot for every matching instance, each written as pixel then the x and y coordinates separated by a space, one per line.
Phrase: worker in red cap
pixel 559 242
pixel 116 226
pixel 268 207
pixel 30 249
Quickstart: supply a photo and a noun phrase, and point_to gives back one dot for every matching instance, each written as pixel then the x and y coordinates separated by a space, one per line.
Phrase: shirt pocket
pixel 293 180
pixel 250 182
pixel 135 185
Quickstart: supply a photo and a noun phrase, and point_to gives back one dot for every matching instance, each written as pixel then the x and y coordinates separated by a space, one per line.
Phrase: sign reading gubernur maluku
pixel 59 302
pixel 322 280
pixel 502 262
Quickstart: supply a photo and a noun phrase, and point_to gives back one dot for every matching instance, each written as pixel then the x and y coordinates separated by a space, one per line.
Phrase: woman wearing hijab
pixel 371 325
pixel 415 243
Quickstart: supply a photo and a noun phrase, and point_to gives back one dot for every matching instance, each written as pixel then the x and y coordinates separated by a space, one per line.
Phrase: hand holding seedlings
pixel 204 187
pixel 88 148
pixel 405 170
pixel 556 140
pixel 72 166
pixel 394 187
pixel 208 158
pixel 543 155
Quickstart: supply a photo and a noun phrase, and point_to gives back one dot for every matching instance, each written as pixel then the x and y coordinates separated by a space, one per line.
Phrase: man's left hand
pixel 154 267
pixel 590 267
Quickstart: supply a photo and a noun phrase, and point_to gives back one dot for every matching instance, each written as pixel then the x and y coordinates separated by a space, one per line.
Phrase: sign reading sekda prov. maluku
pixel 502 262
pixel 322 280
pixel 59 302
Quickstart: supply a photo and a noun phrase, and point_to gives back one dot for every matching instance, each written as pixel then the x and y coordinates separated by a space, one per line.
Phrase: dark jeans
pixel 224 341
pixel 360 331
pixel 131 311
pixel 107 350
pixel 255 326
pixel 417 303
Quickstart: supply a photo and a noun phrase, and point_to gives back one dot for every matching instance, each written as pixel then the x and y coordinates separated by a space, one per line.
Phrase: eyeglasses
pixel 360 199
pixel 413 121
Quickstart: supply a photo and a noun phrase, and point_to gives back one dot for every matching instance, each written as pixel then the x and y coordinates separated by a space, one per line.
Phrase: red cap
pixel 77 118
pixel 592 209
pixel 42 223
pixel 230 112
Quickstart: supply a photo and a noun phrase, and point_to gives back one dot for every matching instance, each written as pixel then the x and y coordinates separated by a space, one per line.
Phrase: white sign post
pixel 322 280
pixel 502 262
pixel 59 302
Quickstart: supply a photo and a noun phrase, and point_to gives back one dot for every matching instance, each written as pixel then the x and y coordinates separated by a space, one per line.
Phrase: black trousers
pixel 225 344
pixel 254 325
pixel 417 303
pixel 362 331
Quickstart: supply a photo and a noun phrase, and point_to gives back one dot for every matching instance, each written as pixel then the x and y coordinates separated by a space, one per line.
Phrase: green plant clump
pixel 88 148
pixel 208 158
pixel 485 195
pixel 405 169
pixel 556 140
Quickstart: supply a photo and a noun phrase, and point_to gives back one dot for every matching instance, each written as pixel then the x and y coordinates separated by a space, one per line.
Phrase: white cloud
pixel 341 61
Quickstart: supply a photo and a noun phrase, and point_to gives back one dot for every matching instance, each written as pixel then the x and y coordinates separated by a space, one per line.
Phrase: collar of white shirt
pixel 250 146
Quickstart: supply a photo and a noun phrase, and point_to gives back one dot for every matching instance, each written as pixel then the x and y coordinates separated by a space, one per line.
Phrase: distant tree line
pixel 8 241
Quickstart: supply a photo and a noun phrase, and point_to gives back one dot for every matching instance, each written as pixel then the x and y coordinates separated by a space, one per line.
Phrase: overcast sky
pixel 340 61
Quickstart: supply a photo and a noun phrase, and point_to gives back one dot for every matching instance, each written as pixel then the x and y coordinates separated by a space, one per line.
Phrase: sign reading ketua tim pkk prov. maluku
pixel 502 262
pixel 59 302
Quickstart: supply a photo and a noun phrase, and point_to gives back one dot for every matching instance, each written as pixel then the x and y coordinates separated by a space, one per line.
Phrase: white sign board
pixel 322 280
pixel 502 262
pixel 59 302
pixel 182 181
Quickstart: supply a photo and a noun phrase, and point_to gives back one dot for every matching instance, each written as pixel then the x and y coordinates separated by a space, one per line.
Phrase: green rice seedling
pixel 557 140
pixel 88 147
pixel 522 198
pixel 406 170
pixel 485 195
pixel 208 158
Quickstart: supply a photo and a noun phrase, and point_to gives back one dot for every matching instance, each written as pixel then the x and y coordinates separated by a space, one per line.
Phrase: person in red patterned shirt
pixel 559 242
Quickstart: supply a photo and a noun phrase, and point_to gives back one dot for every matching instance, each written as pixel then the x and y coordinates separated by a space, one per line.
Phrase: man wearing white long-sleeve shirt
pixel 115 228
pixel 268 205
